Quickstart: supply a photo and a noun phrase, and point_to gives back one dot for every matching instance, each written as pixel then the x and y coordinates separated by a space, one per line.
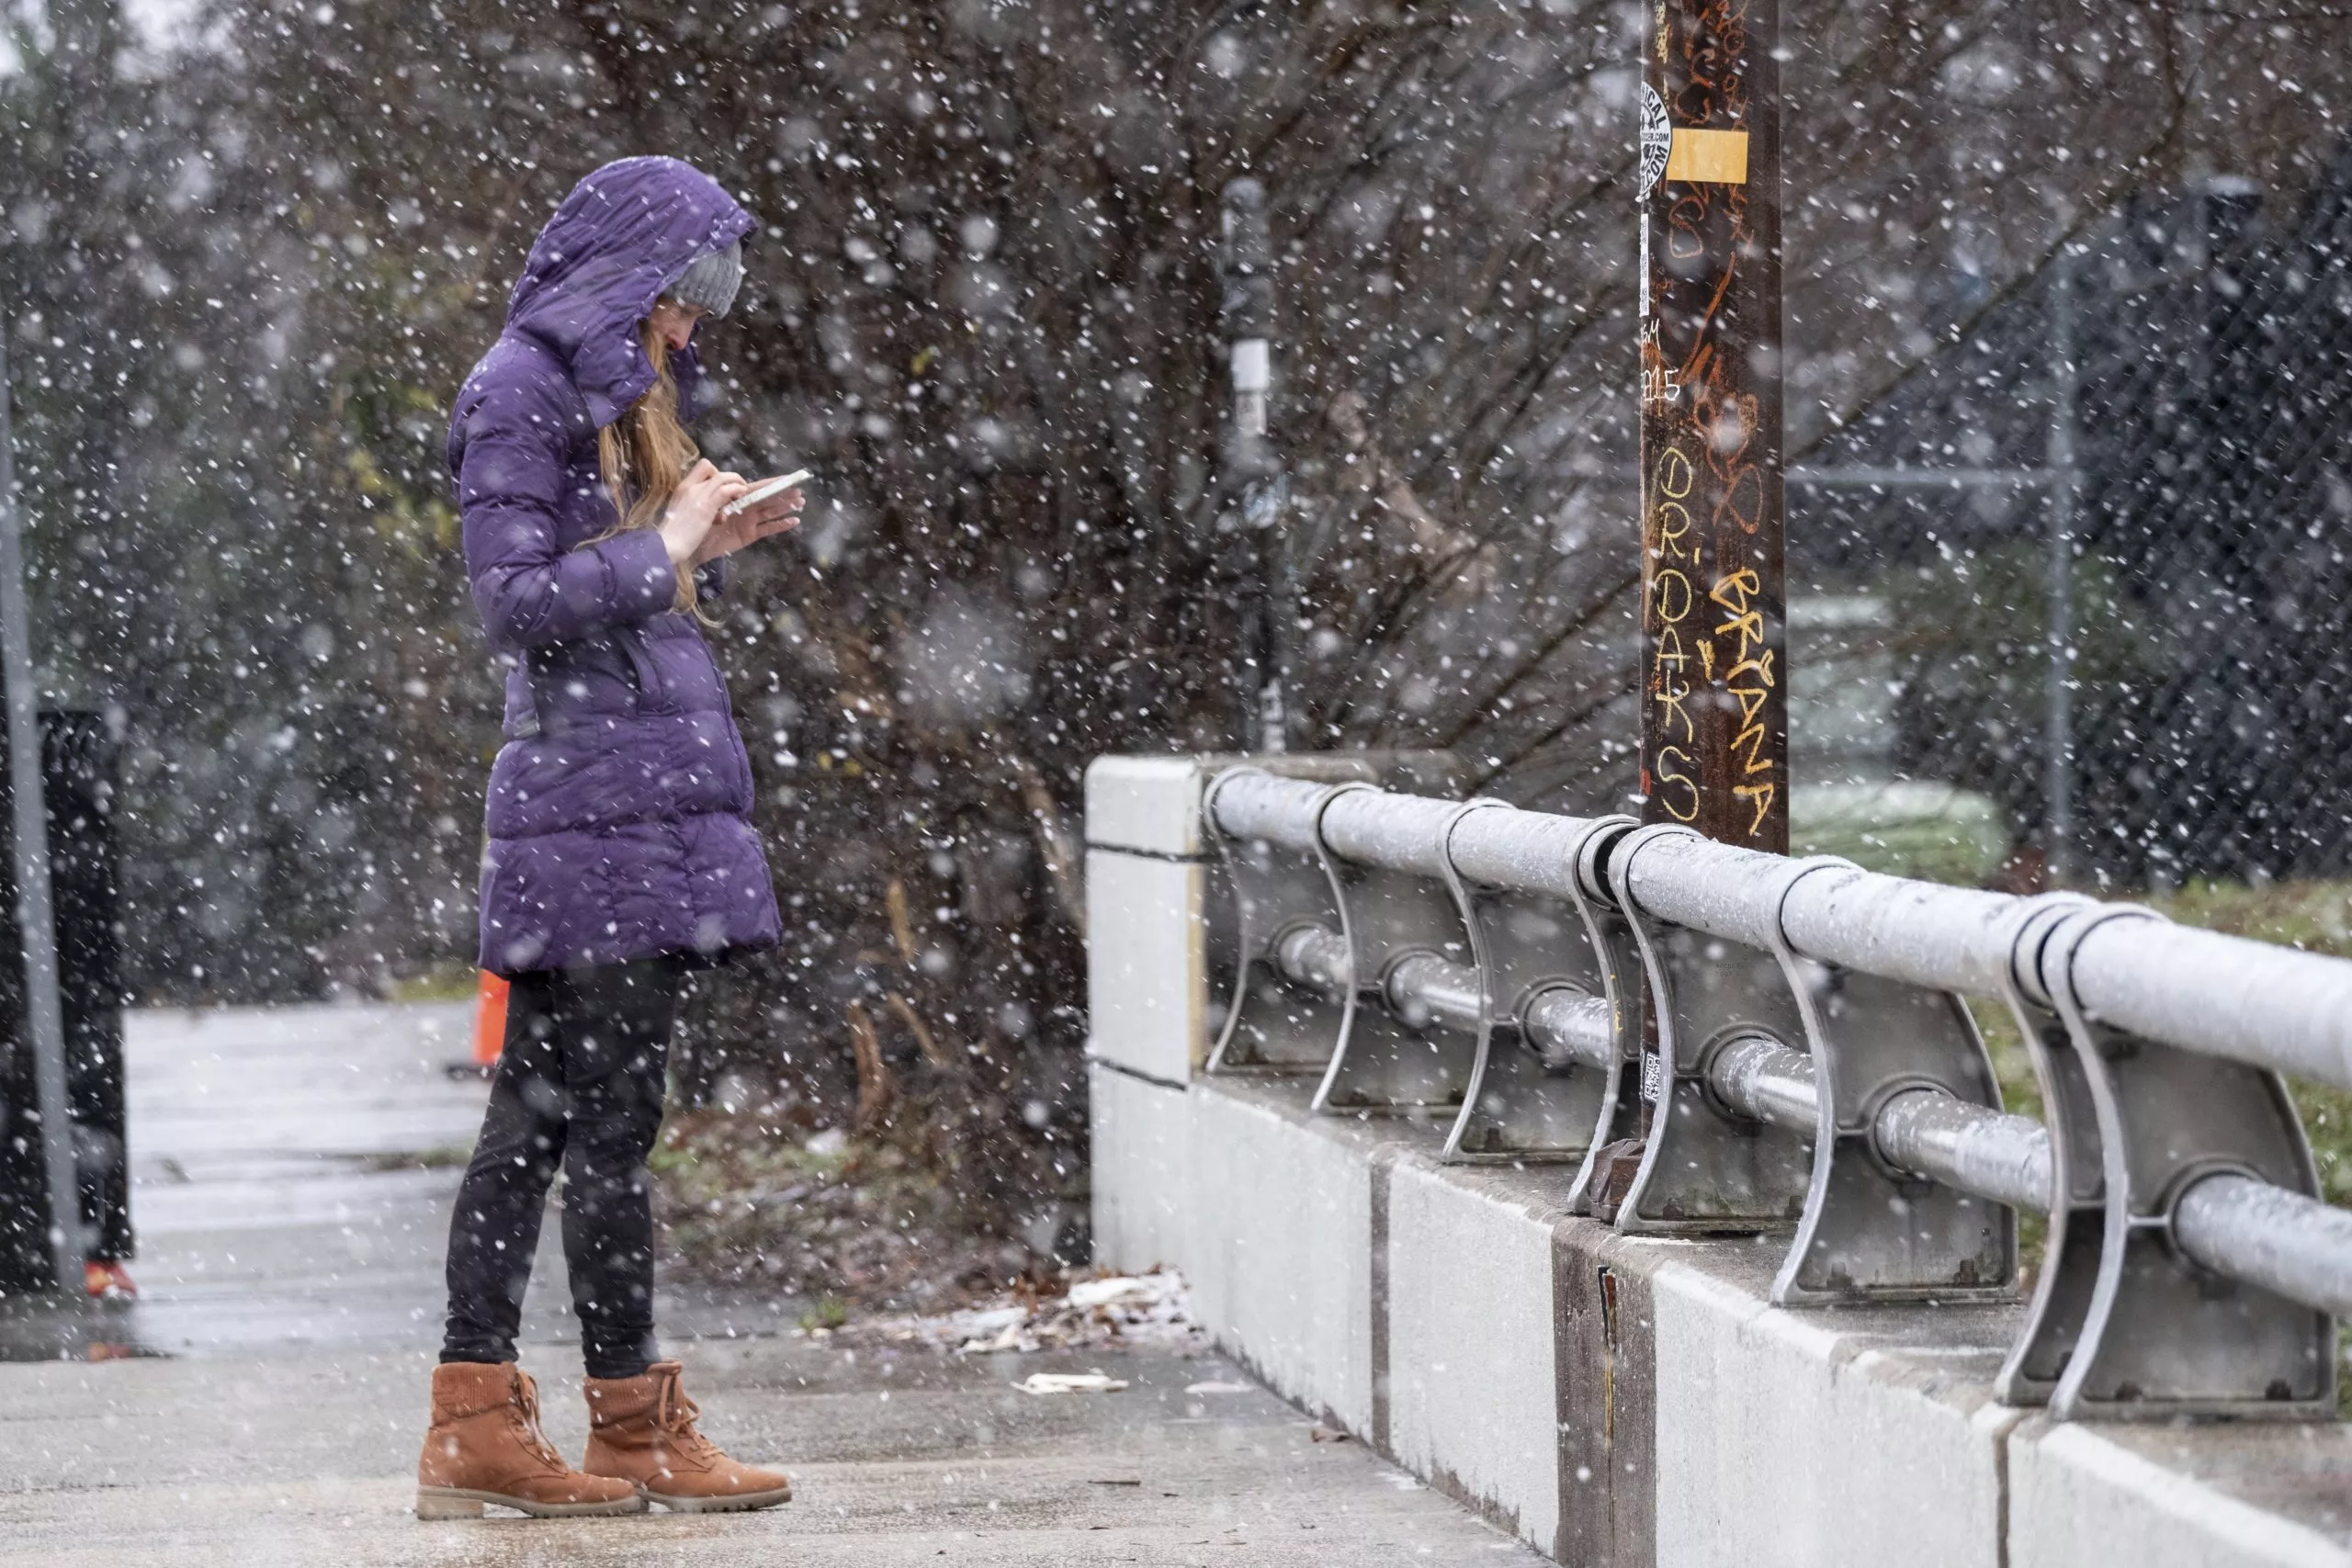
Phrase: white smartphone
pixel 753 497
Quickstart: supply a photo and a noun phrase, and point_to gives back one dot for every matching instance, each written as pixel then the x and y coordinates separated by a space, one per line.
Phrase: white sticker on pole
pixel 1656 141
pixel 1252 366
pixel 1252 375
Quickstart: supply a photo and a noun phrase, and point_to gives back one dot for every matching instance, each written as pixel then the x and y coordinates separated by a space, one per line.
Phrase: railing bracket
pixel 1704 1169
pixel 1871 1233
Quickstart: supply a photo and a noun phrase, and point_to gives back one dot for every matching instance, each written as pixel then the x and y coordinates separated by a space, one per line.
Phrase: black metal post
pixel 2062 503
pixel 1253 469
pixel 35 916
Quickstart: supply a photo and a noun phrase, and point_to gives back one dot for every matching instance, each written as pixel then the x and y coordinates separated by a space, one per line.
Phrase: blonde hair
pixel 645 453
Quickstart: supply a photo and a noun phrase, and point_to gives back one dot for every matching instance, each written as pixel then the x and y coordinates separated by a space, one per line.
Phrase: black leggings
pixel 579 1085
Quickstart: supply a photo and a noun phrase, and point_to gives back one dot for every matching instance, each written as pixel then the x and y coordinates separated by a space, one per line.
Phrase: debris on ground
pixel 1131 1311
pixel 1070 1382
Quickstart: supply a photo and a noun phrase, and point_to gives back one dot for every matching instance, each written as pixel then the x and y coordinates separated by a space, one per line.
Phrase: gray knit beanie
pixel 711 279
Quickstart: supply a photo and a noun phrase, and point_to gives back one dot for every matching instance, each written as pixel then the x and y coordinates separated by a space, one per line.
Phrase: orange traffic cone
pixel 489 1020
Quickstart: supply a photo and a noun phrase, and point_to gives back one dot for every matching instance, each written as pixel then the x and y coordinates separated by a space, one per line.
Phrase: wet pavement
pixel 261 1403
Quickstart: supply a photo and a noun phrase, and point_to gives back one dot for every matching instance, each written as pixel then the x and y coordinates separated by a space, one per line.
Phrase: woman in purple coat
pixel 621 852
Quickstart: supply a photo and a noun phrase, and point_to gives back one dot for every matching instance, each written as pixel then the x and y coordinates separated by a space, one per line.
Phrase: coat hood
pixel 623 235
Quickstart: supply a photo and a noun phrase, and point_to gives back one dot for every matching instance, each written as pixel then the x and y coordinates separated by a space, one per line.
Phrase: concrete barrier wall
pixel 1797 1437
pixel 1281 1259
pixel 1472 1380
pixel 1610 1399
pixel 2081 1494
pixel 1141 1219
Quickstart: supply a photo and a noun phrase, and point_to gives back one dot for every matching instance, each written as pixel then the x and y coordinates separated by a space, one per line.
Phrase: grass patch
pixel 829 1314
pixel 447 982
pixel 2313 916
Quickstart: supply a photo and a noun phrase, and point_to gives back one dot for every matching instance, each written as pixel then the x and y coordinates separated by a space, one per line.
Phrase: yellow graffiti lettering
pixel 1670 650
pixel 1668 584
pixel 1685 808
pixel 1737 592
pixel 1674 475
pixel 1748 627
pixel 1673 524
pixel 1753 739
pixel 1735 589
pixel 1670 696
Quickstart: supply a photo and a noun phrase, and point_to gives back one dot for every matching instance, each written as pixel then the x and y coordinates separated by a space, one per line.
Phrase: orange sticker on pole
pixel 1707 157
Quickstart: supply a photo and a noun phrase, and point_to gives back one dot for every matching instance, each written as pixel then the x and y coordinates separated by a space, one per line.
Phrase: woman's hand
pixel 691 520
pixel 776 515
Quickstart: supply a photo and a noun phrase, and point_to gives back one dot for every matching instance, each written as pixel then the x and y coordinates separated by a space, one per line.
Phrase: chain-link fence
pixel 2094 552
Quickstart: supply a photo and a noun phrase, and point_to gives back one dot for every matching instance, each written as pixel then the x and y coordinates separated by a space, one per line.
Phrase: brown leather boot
pixel 641 1430
pixel 485 1446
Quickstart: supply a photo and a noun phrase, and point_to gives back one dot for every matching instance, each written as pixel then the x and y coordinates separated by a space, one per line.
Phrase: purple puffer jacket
pixel 619 807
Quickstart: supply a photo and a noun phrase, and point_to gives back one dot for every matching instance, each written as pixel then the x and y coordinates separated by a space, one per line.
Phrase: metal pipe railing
pixel 2269 1236
pixel 2264 1006
pixel 2224 995
pixel 1313 956
pixel 1765 1081
pixel 1423 988
pixel 1567 1025
pixel 1982 1152
pixel 1990 1154
pixel 2229 1222
pixel 1562 1023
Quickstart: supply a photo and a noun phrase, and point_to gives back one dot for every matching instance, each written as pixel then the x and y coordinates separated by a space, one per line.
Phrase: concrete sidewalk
pixel 272 1386
pixel 308 1460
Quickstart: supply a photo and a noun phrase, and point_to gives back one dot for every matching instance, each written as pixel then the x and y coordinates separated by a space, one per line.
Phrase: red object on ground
pixel 108 1282
pixel 490 1020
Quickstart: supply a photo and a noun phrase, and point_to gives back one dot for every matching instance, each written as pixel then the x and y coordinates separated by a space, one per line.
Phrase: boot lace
pixel 675 1414
pixel 527 1400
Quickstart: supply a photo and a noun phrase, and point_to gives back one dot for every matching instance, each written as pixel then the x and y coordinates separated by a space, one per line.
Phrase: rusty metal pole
pixel 1715 711
pixel 1714 725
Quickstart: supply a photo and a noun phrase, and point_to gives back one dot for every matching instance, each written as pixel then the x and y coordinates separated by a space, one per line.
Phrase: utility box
pixel 77 776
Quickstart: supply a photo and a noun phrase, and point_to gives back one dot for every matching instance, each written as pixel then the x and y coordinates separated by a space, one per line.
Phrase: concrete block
pixel 1148 804
pixel 1143 1199
pixel 1783 1438
pixel 1280 1256
pixel 1472 1401
pixel 1629 1401
pixel 2238 1495
pixel 1145 964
